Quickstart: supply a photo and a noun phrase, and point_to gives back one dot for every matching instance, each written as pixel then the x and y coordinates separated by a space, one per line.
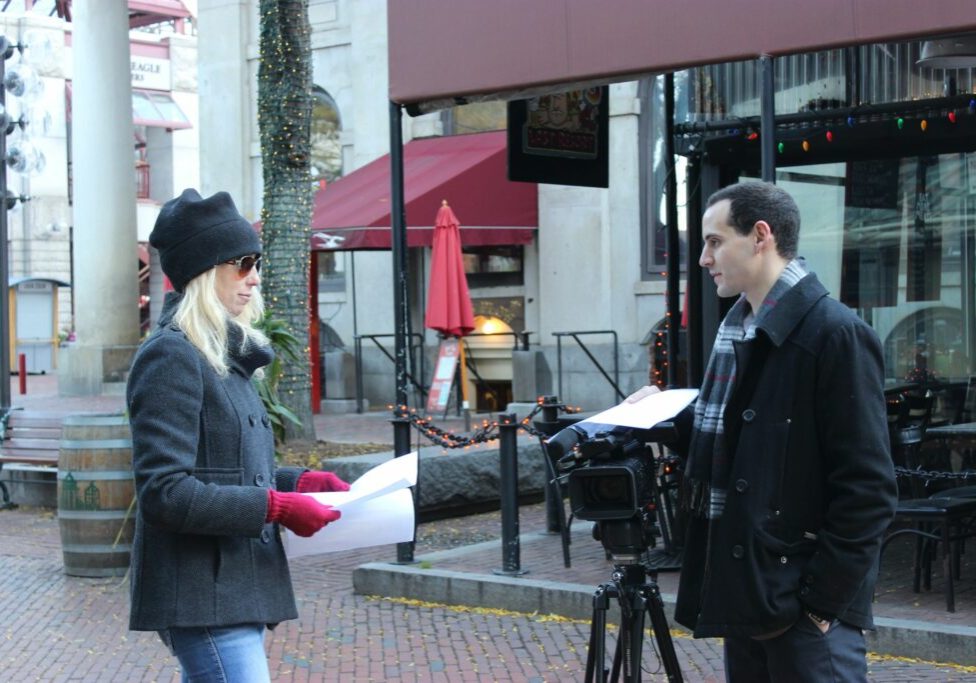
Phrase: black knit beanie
pixel 194 234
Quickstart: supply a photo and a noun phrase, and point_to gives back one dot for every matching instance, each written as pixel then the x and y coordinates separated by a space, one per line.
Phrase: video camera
pixel 612 481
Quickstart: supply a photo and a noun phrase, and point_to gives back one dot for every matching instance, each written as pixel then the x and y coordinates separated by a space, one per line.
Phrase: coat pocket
pixel 779 564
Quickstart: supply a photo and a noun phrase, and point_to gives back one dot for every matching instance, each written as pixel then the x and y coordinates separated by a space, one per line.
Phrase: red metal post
pixel 22 371
pixel 313 333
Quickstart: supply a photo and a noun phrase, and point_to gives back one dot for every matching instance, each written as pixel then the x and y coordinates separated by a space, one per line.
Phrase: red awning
pixel 469 171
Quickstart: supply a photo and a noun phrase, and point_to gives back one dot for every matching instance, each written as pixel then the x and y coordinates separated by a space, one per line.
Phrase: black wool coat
pixel 203 458
pixel 812 487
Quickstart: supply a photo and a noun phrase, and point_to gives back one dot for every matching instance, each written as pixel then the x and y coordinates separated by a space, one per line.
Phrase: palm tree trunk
pixel 284 116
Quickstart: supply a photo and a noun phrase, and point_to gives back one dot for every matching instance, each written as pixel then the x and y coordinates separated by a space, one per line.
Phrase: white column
pixel 225 91
pixel 102 149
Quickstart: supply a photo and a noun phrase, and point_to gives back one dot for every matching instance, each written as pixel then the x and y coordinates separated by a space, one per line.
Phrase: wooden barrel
pixel 96 513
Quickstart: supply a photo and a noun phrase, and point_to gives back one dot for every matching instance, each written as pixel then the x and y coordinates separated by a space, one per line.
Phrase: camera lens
pixel 612 489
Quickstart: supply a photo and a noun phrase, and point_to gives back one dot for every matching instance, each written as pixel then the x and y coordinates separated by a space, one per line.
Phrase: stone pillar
pixel 105 257
pixel 226 136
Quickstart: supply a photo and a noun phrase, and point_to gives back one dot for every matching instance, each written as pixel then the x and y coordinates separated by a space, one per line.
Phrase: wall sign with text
pixel 560 138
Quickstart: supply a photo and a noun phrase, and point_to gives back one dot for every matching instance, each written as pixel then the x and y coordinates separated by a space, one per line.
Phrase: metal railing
pixel 520 343
pixel 576 337
pixel 413 345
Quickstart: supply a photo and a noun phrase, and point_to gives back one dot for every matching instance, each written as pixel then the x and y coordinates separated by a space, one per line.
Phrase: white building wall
pixel 583 273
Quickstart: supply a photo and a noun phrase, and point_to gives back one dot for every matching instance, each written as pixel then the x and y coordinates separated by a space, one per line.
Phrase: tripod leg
pixel 630 642
pixel 596 653
pixel 662 632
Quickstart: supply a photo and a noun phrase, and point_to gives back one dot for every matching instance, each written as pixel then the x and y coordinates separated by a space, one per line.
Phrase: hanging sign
pixel 560 138
pixel 440 386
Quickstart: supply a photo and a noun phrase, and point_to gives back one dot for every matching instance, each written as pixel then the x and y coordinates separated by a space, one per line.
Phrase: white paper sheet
pixel 646 412
pixel 376 510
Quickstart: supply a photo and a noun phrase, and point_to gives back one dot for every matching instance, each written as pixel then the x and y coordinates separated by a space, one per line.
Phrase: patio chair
pixel 934 521
pixel 939 519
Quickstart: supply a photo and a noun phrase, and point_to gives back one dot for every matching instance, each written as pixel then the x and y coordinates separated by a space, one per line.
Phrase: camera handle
pixel 638 595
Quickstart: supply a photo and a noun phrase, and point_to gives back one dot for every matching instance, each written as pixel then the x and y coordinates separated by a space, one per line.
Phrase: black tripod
pixel 638 593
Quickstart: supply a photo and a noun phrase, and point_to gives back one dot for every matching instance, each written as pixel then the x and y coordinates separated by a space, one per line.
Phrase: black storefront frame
pixel 719 152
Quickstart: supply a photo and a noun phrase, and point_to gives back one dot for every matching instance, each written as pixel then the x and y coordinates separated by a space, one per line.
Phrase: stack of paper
pixel 376 510
pixel 648 411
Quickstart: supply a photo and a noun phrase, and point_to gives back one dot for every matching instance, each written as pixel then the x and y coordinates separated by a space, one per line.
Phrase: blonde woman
pixel 208 568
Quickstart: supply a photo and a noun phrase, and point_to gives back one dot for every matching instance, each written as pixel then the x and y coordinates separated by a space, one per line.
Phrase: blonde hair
pixel 204 320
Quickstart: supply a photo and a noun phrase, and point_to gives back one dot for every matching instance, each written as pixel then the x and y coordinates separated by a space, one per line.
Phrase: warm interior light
pixel 489 324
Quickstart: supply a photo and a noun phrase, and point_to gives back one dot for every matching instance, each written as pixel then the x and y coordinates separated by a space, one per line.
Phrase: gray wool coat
pixel 203 458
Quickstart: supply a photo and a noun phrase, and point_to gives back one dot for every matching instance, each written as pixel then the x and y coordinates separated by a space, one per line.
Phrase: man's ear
pixel 763 235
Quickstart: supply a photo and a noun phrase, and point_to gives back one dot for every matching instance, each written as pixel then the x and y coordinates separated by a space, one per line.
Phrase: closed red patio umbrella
pixel 448 301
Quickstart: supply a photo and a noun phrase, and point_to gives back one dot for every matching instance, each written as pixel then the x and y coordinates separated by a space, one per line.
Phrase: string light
pixel 829 135
pixel 952 117
pixel 923 124
pixel 806 145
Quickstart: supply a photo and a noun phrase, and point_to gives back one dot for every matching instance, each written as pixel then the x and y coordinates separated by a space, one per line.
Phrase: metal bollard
pixel 401 446
pixel 22 371
pixel 508 462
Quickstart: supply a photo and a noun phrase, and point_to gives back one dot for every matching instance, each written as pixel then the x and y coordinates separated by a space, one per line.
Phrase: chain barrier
pixel 933 475
pixel 487 432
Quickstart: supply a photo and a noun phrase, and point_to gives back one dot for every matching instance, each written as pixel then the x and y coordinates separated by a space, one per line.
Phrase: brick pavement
pixel 59 628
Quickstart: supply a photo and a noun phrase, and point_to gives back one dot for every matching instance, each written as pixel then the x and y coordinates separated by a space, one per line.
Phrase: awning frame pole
pixel 673 239
pixel 401 302
pixel 767 119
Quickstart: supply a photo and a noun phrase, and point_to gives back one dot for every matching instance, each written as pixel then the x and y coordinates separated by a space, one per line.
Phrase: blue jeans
pixel 231 654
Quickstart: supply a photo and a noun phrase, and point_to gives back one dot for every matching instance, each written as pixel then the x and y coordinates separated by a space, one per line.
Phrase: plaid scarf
pixel 709 462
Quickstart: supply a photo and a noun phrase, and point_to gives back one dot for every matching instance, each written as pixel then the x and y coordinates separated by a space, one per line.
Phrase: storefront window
pixel 331 271
pixel 326 147
pixel 895 240
pixel 496 266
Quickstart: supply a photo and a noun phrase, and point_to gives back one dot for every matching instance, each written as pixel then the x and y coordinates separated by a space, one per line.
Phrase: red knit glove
pixel 302 514
pixel 320 482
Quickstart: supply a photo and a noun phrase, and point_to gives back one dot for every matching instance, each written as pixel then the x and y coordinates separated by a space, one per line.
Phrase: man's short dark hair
pixel 754 201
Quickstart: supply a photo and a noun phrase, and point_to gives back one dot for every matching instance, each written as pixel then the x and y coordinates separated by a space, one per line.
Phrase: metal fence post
pixel 508 426
pixel 554 503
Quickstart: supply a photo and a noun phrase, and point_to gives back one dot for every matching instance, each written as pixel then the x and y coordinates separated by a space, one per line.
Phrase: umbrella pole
pixel 464 386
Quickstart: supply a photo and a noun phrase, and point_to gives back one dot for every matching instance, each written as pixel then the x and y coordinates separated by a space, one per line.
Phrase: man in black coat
pixel 791 483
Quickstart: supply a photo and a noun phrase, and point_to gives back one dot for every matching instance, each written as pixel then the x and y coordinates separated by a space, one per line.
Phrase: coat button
pixel 738 552
pixel 804 591
pixel 259 479
pixel 741 485
pixel 266 421
pixel 253 419
pixel 808 579
pixel 782 559
pixel 265 536
pixel 748 415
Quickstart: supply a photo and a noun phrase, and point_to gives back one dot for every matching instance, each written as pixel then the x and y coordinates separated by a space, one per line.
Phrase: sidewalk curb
pixel 895 637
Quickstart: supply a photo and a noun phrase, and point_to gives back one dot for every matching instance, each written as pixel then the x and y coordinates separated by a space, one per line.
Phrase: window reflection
pixel 894 240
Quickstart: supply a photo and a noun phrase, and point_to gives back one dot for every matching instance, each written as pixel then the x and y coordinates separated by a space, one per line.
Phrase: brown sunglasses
pixel 245 264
